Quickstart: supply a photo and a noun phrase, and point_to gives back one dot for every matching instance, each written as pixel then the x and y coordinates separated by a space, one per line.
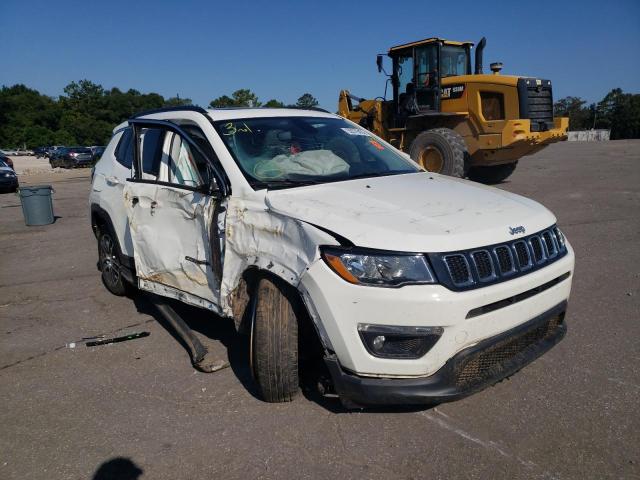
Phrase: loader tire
pixel 274 342
pixel 492 174
pixel 440 150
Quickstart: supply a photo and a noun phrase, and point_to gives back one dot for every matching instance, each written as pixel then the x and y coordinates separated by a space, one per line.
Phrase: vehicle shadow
pixel 209 325
pixel 118 468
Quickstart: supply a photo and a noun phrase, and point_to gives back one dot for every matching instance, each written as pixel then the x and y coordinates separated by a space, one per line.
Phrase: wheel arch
pixel 101 218
pixel 243 304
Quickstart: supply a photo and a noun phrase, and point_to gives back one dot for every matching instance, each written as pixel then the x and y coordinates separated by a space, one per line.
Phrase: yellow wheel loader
pixel 453 121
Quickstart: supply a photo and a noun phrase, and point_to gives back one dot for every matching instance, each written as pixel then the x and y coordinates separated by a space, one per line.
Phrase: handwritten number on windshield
pixel 232 128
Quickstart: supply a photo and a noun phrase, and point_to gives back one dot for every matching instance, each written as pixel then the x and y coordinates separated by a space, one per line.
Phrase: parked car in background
pixel 71 157
pixel 52 150
pixel 24 152
pixel 40 152
pixel 8 178
pixel 96 152
pixel 6 160
pixel 9 151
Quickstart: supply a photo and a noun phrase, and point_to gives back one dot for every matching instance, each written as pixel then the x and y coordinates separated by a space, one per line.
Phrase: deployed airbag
pixel 311 162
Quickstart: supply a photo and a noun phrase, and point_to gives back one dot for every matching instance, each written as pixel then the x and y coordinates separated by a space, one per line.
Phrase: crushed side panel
pixel 259 237
pixel 170 228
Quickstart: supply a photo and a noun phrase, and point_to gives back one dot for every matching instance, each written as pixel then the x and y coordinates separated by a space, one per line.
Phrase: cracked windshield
pixel 285 152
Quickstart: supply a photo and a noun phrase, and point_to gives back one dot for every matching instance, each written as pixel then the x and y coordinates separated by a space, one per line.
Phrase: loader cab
pixel 418 69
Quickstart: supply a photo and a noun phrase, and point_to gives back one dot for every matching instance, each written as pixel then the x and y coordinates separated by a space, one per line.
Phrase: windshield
pixel 285 152
pixel 453 61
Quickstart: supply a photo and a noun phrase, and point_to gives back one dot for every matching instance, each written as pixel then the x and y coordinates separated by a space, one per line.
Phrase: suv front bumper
pixel 467 372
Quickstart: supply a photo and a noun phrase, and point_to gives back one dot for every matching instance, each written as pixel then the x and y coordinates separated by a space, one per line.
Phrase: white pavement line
pixel 490 445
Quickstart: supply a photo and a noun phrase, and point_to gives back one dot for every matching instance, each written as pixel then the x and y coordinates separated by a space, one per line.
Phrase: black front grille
pixel 488 363
pixel 522 252
pixel 536 246
pixel 549 244
pixel 458 268
pixel 484 266
pixel 536 103
pixel 505 259
pixel 476 268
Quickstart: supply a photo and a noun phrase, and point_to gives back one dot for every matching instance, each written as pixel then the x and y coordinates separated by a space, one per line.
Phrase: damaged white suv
pixel 299 224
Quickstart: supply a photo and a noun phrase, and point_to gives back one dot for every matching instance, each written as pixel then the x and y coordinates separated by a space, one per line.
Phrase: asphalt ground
pixel 75 413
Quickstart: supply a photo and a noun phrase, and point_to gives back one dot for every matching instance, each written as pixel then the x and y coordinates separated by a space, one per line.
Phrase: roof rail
pixel 295 107
pixel 189 108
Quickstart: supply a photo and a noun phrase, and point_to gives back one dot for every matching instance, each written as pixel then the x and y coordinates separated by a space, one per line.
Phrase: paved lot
pixel 65 411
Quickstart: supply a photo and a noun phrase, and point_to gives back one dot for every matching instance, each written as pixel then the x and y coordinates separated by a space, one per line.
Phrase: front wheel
pixel 492 174
pixel 440 150
pixel 274 342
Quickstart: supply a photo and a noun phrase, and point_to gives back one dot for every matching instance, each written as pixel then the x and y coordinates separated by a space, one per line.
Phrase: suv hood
pixel 420 212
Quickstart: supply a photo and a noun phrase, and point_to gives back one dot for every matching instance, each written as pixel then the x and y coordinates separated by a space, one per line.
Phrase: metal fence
pixel 589 136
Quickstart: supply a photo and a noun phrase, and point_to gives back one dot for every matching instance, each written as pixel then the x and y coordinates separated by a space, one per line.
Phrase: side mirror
pixel 379 63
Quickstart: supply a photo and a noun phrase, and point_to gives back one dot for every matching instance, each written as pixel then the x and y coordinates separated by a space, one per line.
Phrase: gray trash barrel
pixel 37 206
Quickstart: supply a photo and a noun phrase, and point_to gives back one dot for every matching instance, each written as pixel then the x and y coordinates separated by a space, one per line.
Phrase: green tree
pixel 177 101
pixel 84 115
pixel 307 101
pixel 580 117
pixel 240 98
pixel 621 113
pixel 273 103
pixel 26 116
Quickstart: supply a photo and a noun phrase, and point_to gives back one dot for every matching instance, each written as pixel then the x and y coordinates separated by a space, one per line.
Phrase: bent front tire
pixel 274 342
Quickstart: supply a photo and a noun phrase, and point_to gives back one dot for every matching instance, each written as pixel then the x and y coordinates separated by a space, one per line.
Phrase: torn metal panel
pixel 180 295
pixel 170 230
pixel 259 237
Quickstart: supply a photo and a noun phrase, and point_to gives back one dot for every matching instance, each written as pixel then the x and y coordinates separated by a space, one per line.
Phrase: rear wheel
pixel 274 342
pixel 492 174
pixel 440 150
pixel 110 265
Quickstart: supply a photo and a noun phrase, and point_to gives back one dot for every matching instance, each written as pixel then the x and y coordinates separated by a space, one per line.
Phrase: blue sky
pixel 281 49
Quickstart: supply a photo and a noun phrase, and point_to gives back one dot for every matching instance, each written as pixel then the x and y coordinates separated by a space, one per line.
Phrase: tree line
pixel 87 112
pixel 617 111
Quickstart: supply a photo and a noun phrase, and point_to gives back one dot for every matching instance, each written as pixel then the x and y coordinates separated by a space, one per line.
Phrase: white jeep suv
pixel 419 287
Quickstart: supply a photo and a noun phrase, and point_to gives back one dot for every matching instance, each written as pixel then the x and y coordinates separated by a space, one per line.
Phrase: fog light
pixel 390 341
pixel 378 343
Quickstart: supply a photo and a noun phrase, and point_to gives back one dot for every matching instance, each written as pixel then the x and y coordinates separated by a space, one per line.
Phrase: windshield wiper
pixel 284 183
pixel 287 182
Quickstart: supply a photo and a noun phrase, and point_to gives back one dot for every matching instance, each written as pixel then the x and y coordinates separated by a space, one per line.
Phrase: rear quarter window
pixel 124 149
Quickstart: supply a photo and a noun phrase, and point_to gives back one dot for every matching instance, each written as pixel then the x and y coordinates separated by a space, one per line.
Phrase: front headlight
pixel 378 268
pixel 9 174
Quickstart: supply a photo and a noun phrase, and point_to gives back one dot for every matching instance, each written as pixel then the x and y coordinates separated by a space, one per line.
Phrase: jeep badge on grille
pixel 516 230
